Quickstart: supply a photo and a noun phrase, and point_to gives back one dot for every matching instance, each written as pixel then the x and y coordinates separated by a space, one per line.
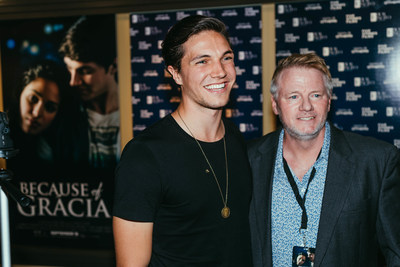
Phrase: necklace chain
pixel 225 212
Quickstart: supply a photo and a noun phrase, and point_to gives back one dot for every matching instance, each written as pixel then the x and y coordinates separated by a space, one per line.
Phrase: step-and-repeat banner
pixel 154 93
pixel 360 41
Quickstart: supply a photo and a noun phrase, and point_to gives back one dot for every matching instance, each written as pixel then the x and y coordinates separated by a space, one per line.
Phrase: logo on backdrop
pixel 359 42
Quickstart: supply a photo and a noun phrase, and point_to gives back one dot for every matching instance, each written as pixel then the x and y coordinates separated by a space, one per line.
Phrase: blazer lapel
pixel 336 189
pixel 263 169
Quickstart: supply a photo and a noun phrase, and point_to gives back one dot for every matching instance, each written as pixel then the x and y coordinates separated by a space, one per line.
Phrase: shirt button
pixel 303 190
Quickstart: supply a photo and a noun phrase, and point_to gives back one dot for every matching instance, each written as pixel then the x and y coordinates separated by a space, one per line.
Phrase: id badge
pixel 303 256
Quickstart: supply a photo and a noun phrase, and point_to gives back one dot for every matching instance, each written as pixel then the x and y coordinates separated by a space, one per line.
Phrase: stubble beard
pixel 203 102
pixel 214 107
pixel 295 133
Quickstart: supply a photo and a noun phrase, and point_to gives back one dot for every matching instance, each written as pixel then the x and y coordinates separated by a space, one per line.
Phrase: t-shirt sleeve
pixel 137 184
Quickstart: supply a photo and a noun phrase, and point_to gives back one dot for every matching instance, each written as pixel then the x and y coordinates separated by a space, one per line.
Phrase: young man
pixel 89 52
pixel 317 188
pixel 183 186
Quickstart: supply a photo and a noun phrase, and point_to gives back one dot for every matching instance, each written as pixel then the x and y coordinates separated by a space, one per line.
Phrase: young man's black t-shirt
pixel 162 178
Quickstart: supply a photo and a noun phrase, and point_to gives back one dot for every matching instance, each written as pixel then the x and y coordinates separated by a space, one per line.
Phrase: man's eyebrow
pixel 228 52
pixel 85 67
pixel 200 57
pixel 207 56
pixel 38 93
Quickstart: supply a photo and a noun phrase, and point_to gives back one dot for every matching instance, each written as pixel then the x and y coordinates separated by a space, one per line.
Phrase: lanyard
pixel 300 200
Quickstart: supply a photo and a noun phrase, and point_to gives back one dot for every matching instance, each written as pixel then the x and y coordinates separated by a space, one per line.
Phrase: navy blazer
pixel 360 212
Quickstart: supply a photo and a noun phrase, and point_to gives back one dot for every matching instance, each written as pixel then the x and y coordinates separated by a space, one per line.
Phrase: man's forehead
pixel 201 41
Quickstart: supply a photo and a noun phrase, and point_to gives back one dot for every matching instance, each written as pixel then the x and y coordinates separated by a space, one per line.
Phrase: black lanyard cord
pixel 300 200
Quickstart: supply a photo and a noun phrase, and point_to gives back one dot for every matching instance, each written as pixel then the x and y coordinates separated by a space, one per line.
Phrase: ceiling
pixel 24 9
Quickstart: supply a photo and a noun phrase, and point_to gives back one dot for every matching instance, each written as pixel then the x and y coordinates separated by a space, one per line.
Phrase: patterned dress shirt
pixel 286 212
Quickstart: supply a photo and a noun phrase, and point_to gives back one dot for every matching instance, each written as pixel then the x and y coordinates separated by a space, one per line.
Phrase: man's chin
pixel 307 137
pixel 303 135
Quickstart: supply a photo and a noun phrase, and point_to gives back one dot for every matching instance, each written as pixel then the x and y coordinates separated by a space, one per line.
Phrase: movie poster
pixel 360 42
pixel 61 97
pixel 155 94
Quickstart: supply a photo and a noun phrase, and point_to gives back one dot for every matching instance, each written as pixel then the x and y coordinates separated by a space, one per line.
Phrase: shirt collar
pixel 325 146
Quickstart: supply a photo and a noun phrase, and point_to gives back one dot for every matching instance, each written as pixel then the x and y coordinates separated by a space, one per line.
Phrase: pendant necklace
pixel 225 212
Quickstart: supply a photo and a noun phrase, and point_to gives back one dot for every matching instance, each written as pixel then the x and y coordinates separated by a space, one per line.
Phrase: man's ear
pixel 112 69
pixel 175 75
pixel 274 106
pixel 329 104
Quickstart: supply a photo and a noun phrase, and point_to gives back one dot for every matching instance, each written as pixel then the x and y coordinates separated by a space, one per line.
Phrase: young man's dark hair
pixel 172 46
pixel 91 39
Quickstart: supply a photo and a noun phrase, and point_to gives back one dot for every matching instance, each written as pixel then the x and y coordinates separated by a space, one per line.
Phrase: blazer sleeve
pixel 388 221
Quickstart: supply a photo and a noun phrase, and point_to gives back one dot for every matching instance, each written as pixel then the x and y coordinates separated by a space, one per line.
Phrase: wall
pixel 58 256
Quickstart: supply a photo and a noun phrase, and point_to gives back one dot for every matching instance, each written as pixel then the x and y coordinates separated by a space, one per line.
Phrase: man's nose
pixel 306 104
pixel 218 70
pixel 75 79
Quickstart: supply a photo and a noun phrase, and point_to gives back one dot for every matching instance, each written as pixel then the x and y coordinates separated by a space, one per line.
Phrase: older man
pixel 317 187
